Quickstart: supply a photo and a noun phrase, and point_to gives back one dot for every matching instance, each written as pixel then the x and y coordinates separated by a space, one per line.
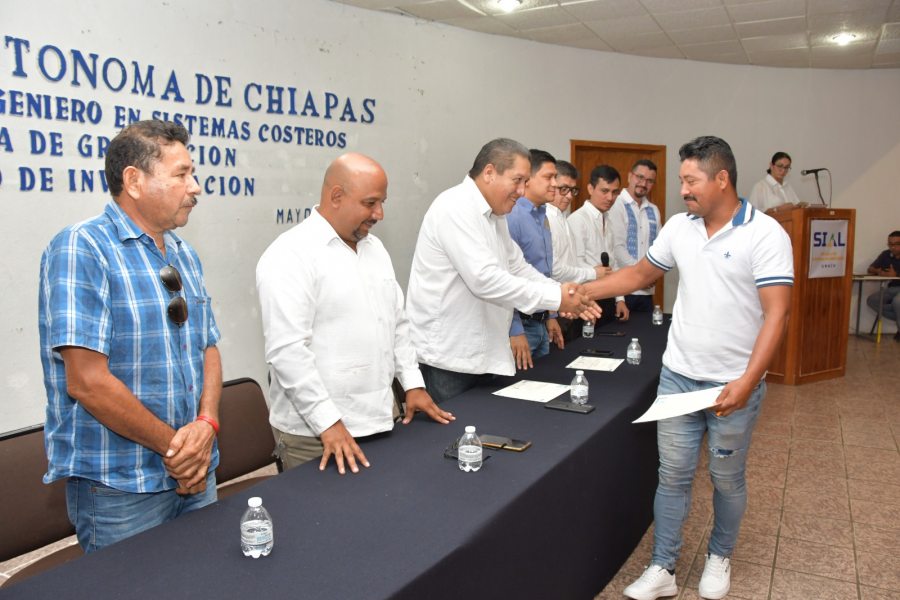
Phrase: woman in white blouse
pixel 772 192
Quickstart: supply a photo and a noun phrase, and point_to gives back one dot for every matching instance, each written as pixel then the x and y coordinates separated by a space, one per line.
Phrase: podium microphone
pixel 604 259
pixel 812 171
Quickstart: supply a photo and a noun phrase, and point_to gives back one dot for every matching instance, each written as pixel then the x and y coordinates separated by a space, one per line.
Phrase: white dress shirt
pixel 618 224
pixel 565 264
pixel 593 237
pixel 768 193
pixel 467 277
pixel 335 331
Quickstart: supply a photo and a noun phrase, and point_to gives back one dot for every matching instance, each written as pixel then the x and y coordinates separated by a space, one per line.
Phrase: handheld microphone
pixel 604 259
pixel 812 171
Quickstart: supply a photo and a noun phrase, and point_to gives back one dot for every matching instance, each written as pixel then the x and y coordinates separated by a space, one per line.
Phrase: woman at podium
pixel 771 191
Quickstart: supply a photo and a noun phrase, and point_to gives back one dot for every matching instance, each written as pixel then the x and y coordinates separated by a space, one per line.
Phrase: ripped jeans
pixel 679 440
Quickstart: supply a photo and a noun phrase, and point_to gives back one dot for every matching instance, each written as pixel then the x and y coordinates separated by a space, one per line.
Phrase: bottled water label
pixel 469 458
pixel 256 538
pixel 587 330
pixel 657 317
pixel 634 357
pixel 579 394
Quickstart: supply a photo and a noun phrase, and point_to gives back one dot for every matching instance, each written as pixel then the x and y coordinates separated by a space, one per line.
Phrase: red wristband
pixel 213 423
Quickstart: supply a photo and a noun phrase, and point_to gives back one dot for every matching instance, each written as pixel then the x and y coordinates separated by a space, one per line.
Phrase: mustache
pixel 689 197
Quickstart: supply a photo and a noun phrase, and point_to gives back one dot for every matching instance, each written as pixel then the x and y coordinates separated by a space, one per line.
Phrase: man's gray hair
pixel 501 153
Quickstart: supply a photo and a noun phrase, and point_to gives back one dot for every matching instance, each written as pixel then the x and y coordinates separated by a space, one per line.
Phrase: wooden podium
pixel 815 347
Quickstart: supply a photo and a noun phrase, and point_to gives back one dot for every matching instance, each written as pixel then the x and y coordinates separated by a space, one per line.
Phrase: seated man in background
pixel 335 331
pixel 468 276
pixel 593 234
pixel 888 265
pixel 128 348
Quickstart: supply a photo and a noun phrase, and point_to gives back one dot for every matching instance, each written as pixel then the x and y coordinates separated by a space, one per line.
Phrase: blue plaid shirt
pixel 100 289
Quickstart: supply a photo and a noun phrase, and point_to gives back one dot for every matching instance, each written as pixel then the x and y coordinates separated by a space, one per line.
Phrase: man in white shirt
pixel 334 326
pixel 635 222
pixel 735 268
pixel 468 276
pixel 593 235
pixel 565 264
pixel 772 192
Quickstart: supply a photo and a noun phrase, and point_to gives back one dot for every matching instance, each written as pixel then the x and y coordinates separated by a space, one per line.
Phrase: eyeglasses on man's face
pixel 177 309
pixel 567 189
pixel 646 180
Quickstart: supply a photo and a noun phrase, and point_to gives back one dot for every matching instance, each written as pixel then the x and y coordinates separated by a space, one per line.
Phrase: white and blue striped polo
pixel 718 314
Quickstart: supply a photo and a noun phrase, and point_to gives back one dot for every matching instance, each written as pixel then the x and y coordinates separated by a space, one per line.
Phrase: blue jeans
pixel 679 440
pixel 442 384
pixel 891 307
pixel 538 339
pixel 103 515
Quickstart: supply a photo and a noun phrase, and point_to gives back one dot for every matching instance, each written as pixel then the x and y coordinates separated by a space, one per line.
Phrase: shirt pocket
pixel 199 310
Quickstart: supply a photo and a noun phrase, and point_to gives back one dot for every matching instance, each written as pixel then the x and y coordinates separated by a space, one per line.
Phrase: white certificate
pixel 536 391
pixel 673 405
pixel 595 363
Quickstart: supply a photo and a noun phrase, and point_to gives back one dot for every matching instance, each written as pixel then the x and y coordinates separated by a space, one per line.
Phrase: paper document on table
pixel 673 405
pixel 536 391
pixel 595 363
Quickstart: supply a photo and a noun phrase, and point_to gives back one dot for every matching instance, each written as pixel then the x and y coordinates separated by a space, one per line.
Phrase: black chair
pixel 246 442
pixel 32 514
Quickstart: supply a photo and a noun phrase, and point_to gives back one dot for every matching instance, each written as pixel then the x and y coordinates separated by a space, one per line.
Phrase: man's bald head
pixel 353 192
pixel 347 170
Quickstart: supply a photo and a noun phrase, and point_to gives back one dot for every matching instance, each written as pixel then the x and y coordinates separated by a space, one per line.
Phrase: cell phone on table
pixel 597 352
pixel 500 442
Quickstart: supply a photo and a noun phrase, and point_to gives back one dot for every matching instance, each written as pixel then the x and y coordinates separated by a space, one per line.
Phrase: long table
pixel 555 521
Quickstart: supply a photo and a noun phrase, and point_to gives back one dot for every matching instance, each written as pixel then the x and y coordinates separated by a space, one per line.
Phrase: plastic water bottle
pixel 633 355
pixel 257 531
pixel 657 315
pixel 578 393
pixel 587 330
pixel 469 450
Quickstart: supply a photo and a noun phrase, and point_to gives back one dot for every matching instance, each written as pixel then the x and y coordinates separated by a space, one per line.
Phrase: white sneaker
pixel 656 582
pixel 716 579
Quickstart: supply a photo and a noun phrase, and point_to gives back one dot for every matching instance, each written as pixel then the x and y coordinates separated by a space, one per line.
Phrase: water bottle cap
pixel 470 429
pixel 656 306
pixel 634 339
pixel 254 502
pixel 579 372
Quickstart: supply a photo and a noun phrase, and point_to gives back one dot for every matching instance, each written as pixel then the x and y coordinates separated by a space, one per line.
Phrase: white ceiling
pixel 777 33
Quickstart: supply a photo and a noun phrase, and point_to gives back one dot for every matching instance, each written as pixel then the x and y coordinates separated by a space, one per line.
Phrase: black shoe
pixel 897 337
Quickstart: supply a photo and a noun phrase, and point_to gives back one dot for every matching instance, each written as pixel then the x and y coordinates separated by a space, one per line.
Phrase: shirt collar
pixel 127 229
pixel 743 216
pixel 481 203
pixel 322 232
pixel 625 196
pixel 530 207
pixel 593 211
pixel 772 181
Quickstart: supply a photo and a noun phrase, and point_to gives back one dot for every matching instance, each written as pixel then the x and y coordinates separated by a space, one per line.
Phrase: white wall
pixel 441 93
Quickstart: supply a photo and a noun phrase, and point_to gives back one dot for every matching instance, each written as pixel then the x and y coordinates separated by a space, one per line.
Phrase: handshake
pixel 576 303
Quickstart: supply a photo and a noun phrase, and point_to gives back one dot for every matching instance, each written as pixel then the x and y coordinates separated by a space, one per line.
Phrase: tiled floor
pixel 823 520
pixel 823 516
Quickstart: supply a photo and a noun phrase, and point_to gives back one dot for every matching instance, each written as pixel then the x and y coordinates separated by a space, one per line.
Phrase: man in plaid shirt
pixel 128 348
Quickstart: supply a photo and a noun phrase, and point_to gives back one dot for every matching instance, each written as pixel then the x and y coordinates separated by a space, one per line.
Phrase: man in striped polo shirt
pixel 735 269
